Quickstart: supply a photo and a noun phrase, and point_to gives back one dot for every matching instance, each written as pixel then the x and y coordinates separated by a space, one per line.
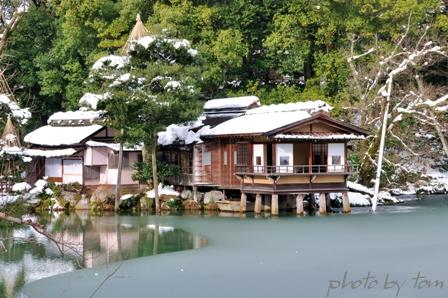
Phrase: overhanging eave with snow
pixel 114 146
pixel 53 136
pixel 318 137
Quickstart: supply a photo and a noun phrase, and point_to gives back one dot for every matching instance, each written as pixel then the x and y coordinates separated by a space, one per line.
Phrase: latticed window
pixel 113 160
pixel 242 154
pixel 92 172
pixel 320 153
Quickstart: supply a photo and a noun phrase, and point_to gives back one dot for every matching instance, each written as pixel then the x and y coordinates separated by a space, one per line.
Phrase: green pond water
pixel 400 251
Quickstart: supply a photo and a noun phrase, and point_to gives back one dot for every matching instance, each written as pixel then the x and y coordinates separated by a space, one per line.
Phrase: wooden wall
pixel 218 172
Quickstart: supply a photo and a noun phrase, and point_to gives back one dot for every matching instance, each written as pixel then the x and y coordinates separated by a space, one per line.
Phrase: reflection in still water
pixel 87 242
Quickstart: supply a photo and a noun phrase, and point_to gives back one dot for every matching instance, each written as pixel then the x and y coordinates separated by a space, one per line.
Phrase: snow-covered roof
pixel 49 153
pixel 61 135
pixel 113 146
pixel 232 102
pixel 320 136
pixel 257 123
pixel 308 106
pixel 74 117
pixel 37 152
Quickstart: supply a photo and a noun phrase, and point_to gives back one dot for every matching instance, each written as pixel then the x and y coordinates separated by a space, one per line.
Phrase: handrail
pixel 295 169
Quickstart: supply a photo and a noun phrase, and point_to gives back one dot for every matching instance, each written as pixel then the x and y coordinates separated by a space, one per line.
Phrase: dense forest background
pixel 342 52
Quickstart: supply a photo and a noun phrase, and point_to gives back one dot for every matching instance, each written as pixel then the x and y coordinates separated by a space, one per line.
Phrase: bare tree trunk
pixel 120 169
pixel 433 116
pixel 382 142
pixel 154 177
pixel 440 134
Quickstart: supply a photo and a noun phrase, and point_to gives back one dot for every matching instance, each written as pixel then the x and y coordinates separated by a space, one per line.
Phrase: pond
pixel 84 242
pixel 398 252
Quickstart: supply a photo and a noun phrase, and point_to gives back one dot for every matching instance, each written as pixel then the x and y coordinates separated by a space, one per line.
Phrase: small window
pixel 224 158
pixel 284 160
pixel 113 160
pixel 139 157
pixel 335 159
pixel 235 156
pixel 92 172
pixel 206 158
pixel 258 160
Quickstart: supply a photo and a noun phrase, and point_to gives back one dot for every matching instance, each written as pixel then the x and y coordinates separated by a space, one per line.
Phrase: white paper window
pixel 235 156
pixel 53 167
pixel 72 167
pixel 206 158
pixel 224 158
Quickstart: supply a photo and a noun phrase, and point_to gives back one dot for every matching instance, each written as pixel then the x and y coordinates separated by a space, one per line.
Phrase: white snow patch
pixel 182 133
pixel 171 85
pixel 126 197
pixel 112 61
pixel 22 115
pixel 121 79
pixel 232 102
pixel 166 190
pixel 358 199
pixel 91 100
pixel 21 187
pixel 7 199
pixel 146 41
pixel 39 187
pixel 359 188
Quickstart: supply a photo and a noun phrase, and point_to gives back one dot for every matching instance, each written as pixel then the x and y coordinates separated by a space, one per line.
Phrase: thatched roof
pixel 137 32
pixel 10 137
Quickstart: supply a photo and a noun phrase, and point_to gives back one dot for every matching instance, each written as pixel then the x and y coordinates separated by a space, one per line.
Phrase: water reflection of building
pixel 85 242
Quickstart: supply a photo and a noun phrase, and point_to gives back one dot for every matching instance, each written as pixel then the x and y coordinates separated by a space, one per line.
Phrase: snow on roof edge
pixel 231 102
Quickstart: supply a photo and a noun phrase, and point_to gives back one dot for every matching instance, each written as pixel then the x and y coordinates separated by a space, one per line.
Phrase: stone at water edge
pixel 191 205
pixel 214 195
pixel 186 194
pixel 83 203
pixel 101 194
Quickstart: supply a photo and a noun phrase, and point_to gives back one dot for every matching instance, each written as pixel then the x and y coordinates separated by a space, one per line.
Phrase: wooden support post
pixel 345 203
pixel 274 204
pixel 258 203
pixel 195 194
pixel 299 204
pixel 322 204
pixel 243 202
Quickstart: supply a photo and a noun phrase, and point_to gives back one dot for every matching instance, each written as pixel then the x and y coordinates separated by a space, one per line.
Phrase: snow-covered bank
pixel 360 195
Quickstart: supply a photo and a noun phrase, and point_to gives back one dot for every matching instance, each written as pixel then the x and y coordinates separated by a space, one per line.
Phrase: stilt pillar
pixel 274 204
pixel 243 202
pixel 322 204
pixel 195 194
pixel 257 203
pixel 345 203
pixel 299 204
